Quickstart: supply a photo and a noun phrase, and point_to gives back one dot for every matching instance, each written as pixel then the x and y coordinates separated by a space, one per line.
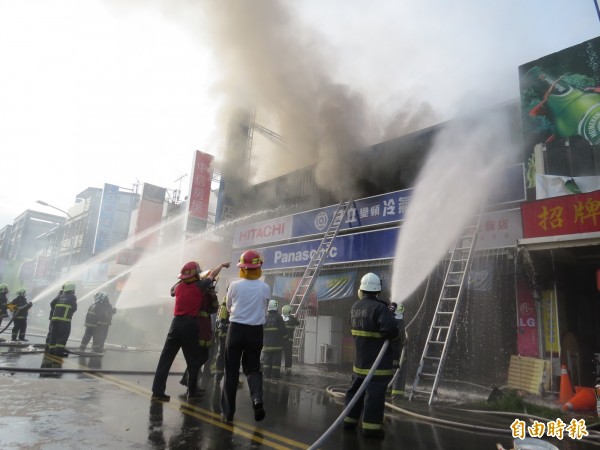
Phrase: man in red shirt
pixel 184 333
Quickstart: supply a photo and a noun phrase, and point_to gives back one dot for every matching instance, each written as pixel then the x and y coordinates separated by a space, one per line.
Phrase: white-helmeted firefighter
pixel 97 321
pixel 62 309
pixel 274 335
pixel 288 345
pixel 19 307
pixel 371 322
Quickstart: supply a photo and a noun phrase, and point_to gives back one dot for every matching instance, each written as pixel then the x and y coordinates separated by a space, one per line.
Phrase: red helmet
pixel 250 259
pixel 189 269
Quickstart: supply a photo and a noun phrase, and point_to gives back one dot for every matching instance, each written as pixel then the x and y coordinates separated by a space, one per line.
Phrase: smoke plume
pixel 270 61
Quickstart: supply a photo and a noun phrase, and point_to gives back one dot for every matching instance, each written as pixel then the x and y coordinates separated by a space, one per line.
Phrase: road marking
pixel 255 434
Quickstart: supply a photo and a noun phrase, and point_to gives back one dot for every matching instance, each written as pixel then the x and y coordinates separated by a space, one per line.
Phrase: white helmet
pixel 273 305
pixel 370 283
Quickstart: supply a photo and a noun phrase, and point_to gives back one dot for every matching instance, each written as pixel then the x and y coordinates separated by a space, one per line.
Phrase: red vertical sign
pixel 527 323
pixel 200 185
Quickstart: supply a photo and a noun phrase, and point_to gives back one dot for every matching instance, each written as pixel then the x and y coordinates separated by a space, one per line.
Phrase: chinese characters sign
pixel 570 214
pixel 106 218
pixel 200 185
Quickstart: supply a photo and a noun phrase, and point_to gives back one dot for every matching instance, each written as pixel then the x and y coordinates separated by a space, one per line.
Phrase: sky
pixel 124 91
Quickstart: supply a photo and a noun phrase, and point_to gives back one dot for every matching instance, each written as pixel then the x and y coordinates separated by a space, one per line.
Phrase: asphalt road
pixel 91 402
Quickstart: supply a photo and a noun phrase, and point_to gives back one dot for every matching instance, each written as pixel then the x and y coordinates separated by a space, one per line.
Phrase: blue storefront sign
pixel 367 212
pixel 377 210
pixel 365 246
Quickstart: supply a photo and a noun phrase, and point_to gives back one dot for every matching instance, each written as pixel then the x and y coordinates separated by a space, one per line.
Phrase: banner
pixel 106 218
pixel 570 214
pixel 362 213
pixel 200 185
pixel 547 186
pixel 326 287
pixel 550 322
pixel 560 111
pixel 527 324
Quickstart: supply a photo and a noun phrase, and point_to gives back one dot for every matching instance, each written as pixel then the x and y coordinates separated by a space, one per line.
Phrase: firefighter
pixel 288 345
pixel 208 307
pixel 20 309
pixel 60 318
pixel 52 305
pixel 371 323
pixel 399 380
pixel 274 335
pixel 184 333
pixel 3 301
pixel 247 303
pixel 97 321
pixel 222 326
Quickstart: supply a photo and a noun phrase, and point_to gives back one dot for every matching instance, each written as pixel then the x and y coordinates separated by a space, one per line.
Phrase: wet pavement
pixel 63 407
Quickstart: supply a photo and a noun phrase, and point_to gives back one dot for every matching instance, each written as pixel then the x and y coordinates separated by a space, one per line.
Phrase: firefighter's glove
pixel 11 307
pixel 399 313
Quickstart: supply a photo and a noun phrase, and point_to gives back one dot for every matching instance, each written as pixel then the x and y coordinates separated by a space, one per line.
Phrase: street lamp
pixel 71 239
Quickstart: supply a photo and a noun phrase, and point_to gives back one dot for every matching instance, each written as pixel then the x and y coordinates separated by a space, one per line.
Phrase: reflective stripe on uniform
pixel 203 314
pixel 271 349
pixel 371 334
pixel 65 315
pixel 360 371
pixel 371 426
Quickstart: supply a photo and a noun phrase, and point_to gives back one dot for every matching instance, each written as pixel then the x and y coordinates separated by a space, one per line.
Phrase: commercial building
pixel 532 288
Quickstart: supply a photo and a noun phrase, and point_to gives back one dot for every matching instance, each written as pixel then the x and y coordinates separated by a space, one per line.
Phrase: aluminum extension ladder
pixel 310 275
pixel 444 318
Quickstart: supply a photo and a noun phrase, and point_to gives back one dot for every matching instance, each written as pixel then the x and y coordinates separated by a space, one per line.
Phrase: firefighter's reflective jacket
pixel 99 313
pixel 290 324
pixel 222 320
pixel 3 303
pixel 372 323
pixel 20 307
pixel 65 307
pixel 274 332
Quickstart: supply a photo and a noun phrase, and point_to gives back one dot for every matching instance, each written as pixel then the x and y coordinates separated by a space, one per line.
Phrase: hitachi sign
pixel 266 231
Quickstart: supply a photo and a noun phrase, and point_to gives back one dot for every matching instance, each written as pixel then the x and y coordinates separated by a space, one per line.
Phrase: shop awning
pixel 561 241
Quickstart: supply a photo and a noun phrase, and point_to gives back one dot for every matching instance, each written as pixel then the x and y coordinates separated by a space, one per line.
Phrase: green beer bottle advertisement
pixel 571 110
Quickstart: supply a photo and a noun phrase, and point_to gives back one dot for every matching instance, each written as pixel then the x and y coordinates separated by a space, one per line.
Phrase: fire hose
pixel 355 399
pixel 7 325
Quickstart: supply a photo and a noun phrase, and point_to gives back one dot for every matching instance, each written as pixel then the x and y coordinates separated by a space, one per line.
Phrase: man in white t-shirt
pixel 247 304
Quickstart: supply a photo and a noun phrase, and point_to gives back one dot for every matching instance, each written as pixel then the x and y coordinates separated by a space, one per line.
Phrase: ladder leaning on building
pixel 310 275
pixel 436 346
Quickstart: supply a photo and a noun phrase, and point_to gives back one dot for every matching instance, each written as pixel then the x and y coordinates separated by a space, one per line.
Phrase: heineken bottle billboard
pixel 560 111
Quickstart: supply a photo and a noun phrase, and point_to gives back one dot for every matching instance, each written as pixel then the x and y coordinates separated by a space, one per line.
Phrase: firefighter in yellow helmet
pixel 222 326
pixel 20 310
pixel 3 301
pixel 288 346
pixel 247 303
pixel 61 316
pixel 371 323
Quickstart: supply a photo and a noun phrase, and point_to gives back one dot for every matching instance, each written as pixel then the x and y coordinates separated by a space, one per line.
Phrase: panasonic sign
pixel 300 256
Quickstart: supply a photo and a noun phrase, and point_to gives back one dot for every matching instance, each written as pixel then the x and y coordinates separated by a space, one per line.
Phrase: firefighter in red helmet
pixel 190 301
pixel 247 304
